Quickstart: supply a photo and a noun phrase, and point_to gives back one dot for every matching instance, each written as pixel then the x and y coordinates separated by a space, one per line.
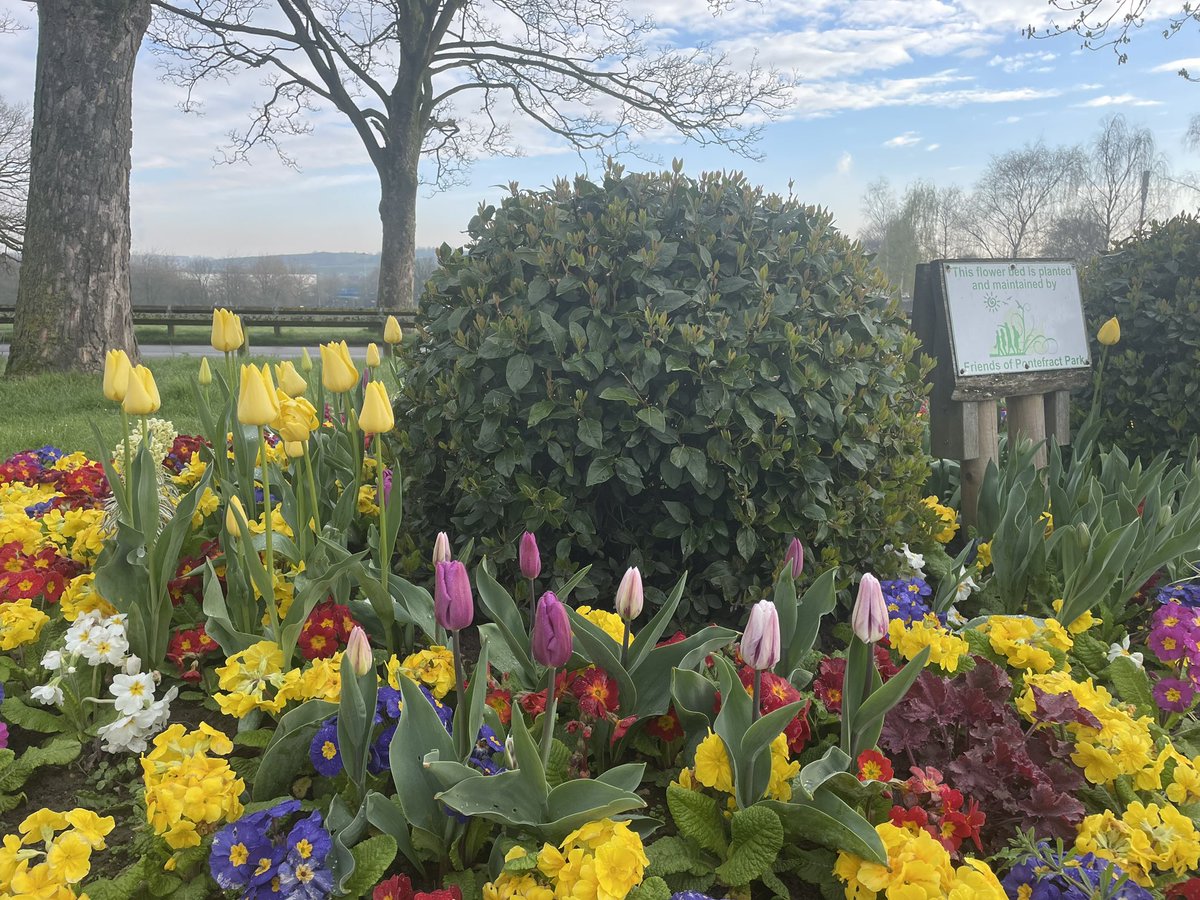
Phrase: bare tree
pixel 1122 179
pixel 926 223
pixel 1112 23
pixel 443 78
pixel 73 294
pixel 1019 196
pixel 14 178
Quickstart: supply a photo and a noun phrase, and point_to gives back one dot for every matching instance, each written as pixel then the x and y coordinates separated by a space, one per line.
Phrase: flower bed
pixel 218 683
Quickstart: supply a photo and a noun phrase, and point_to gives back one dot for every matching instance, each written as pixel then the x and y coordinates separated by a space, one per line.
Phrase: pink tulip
pixel 760 640
pixel 453 605
pixel 795 557
pixel 629 595
pixel 551 632
pixel 358 651
pixel 870 616
pixel 531 559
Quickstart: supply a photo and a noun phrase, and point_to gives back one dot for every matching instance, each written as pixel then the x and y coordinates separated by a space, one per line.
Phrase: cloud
pixel 1118 100
pixel 1022 61
pixel 903 140
pixel 1191 62
pixel 933 146
pixel 845 163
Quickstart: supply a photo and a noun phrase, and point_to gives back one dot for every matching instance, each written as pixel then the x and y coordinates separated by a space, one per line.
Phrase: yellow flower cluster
pixel 71 461
pixel 78 532
pixel 366 500
pixel 81 596
pixel 945 520
pixel 1082 623
pixel 910 638
pixel 918 867
pixel 208 504
pixel 1026 644
pixel 608 622
pixel 189 791
pixel 603 860
pixel 254 679
pixel 1121 746
pixel 983 557
pixel 284 586
pixel 433 668
pixel 67 840
pixel 20 623
pixel 279 524
pixel 1147 837
pixel 15 525
pixel 712 768
pixel 192 472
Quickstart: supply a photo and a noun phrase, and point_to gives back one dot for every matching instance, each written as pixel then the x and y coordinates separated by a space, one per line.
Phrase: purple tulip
pixel 531 559
pixel 551 632
pixel 795 557
pixel 870 616
pixel 453 605
pixel 760 640
pixel 387 485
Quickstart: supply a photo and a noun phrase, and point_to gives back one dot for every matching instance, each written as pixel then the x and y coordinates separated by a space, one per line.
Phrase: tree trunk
pixel 73 294
pixel 398 182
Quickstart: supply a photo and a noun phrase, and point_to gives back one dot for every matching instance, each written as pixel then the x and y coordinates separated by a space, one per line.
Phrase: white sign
pixel 1008 317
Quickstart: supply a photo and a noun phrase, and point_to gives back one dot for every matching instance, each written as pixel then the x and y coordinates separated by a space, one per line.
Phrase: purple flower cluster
pixel 259 855
pixel 1175 640
pixel 1050 874
pixel 905 598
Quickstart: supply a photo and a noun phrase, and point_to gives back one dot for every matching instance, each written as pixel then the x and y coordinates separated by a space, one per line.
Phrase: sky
pixel 905 89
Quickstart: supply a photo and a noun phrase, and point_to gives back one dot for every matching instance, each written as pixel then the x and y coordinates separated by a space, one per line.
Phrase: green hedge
pixel 662 371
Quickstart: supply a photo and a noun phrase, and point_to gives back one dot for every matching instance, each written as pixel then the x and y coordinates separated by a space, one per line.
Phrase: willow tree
pixel 444 80
pixel 73 292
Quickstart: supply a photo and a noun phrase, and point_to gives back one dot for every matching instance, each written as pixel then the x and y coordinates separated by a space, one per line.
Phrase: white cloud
pixel 1011 120
pixel 933 146
pixel 1118 100
pixel 845 163
pixel 1191 62
pixel 1021 61
pixel 903 140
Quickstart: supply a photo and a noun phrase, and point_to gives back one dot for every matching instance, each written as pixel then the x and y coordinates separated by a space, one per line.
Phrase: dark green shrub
pixel 1150 396
pixel 666 372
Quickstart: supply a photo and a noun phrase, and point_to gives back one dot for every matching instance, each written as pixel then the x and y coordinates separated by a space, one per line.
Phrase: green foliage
pixel 371 859
pixel 652 888
pixel 757 838
pixel 698 818
pixel 663 367
pixel 1150 398
pixel 1132 685
pixel 15 770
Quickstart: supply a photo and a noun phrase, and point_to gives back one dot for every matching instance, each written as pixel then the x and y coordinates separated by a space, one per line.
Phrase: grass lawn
pixel 260 335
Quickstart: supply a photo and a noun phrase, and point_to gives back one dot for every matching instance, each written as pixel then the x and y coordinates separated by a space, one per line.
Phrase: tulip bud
pixel 205 376
pixel 226 331
pixel 1110 332
pixel 373 359
pixel 235 513
pixel 551 632
pixel 376 416
pixel 290 381
pixel 530 558
pixel 760 640
pixel 453 605
pixel 358 651
pixel 141 393
pixel 258 404
pixel 869 620
pixel 510 753
pixel 338 373
pixel 629 595
pixel 293 449
pixel 116 375
pixel 441 548
pixel 391 331
pixel 306 363
pixel 795 557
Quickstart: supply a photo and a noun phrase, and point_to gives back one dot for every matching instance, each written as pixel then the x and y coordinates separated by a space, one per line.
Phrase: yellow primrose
pixel 946 650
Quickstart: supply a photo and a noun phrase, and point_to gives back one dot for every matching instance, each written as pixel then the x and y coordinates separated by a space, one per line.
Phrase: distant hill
pixel 315 263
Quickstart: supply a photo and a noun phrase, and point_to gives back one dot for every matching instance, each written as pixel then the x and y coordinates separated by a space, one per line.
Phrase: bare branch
pixel 1112 23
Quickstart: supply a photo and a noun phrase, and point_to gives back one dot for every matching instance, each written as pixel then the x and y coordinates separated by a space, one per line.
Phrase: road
pixel 162 351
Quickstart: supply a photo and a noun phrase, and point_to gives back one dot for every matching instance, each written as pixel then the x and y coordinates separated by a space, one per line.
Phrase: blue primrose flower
pixel 388 701
pixel 691 895
pixel 308 841
pixel 304 881
pixel 1049 875
pixel 1187 593
pixel 324 751
pixel 253 856
pixel 379 760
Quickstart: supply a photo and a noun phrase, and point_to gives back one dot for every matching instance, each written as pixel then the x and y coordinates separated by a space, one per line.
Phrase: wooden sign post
pixel 999 328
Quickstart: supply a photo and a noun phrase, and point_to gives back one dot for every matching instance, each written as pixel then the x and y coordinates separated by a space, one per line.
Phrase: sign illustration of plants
pixel 1020 334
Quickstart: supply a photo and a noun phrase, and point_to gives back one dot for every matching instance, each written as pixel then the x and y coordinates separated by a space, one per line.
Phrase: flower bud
pixel 1110 332
pixel 441 548
pixel 760 640
pixel 226 331
pixel 234 513
pixel 510 753
pixel 453 605
pixel 293 449
pixel 629 595
pixel 551 632
pixel 795 557
pixel 391 331
pixel 869 620
pixel 258 404
pixel 338 373
pixel 373 359
pixel 290 381
pixel 376 416
pixel 116 375
pixel 358 651
pixel 530 558
pixel 141 393
pixel 205 376
pixel 306 363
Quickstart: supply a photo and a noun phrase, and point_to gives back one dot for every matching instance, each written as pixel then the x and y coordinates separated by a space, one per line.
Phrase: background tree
pixel 442 78
pixel 1122 179
pixel 14 178
pixel 73 294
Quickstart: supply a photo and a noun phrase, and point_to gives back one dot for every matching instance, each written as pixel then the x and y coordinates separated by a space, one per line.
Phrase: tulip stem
pixel 532 605
pixel 128 462
pixel 268 512
pixel 625 647
pixel 548 717
pixel 757 696
pixel 385 562
pixel 462 740
pixel 312 491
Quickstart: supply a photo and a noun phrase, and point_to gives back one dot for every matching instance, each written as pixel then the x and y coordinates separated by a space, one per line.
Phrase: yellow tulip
pixel 233 513
pixel 376 416
pixel 294 449
pixel 391 331
pixel 290 381
pixel 116 375
pixel 296 421
pixel 306 363
pixel 141 393
pixel 372 356
pixel 257 402
pixel 226 331
pixel 338 373
pixel 205 376
pixel 1110 332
